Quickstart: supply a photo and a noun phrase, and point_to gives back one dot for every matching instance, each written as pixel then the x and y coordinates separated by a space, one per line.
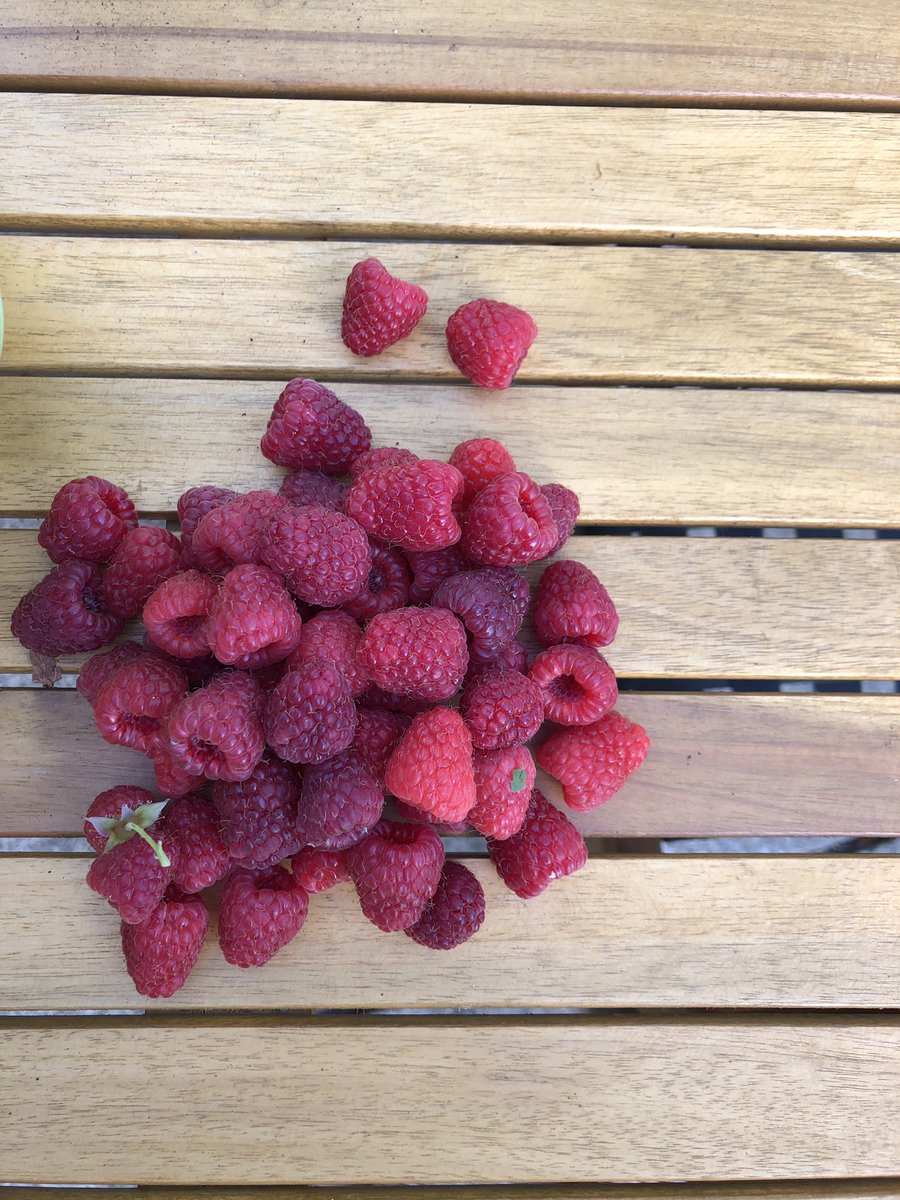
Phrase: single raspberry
pixel 593 761
pixel 171 779
pixel 379 308
pixel 410 506
pixel 547 846
pixel 376 697
pixel 87 520
pixel 340 801
pixel 311 428
pixel 431 567
pixel 141 561
pixel 133 705
pixel 572 605
pixel 99 669
pixel 396 871
pixel 162 950
pixel 115 804
pixel 509 523
pixel 491 603
pixel 258 815
pixel 310 715
pixel 198 853
pixel 177 614
pixel 133 875
pixel 334 636
pixel 322 555
pixel 259 913
pixel 513 657
pixel 318 870
pixel 454 913
pixel 431 765
pixel 418 652
pixel 502 709
pixel 193 505
pixel 64 613
pixel 504 780
pixel 480 460
pixel 386 588
pixel 377 732
pixel 380 457
pixel 232 533
pixel 311 487
pixel 565 508
pixel 253 621
pixel 577 685
pixel 409 812
pixel 217 731
pixel 488 340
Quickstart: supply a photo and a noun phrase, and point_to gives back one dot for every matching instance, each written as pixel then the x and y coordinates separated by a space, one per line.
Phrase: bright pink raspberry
pixel 410 506
pixel 193 505
pixel 377 732
pixel 171 779
pixel 311 428
pixel 577 685
pixel 593 761
pixel 480 460
pixel 217 731
pixel 64 613
pixel 142 560
pixel 322 555
pixel 99 669
pixel 502 709
pixel 134 703
pixel 419 652
pixel 409 812
pixel 386 588
pixel 380 457
pixel 87 520
pixel 509 523
pixel 334 636
pixel 199 855
pixel 253 621
pixel 312 487
pixel 258 815
pixel 177 614
pixel 504 780
pixel 116 803
pixel 513 657
pixel 431 765
pixel 396 871
pixel 431 567
pixel 488 340
pixel 547 846
pixel 572 605
pixel 454 913
pixel 565 508
pixel 310 715
pixel 232 533
pixel 340 801
pixel 131 877
pixel 491 603
pixel 318 870
pixel 163 949
pixel 379 308
pixel 259 913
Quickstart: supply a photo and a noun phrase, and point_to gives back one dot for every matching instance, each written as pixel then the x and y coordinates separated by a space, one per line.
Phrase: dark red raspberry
pixel 64 613
pixel 258 815
pixel 409 812
pixel 502 709
pixel 141 561
pixel 171 779
pixel 504 780
pixel 410 506
pixel 335 637
pixel 253 621
pixel 311 428
pixel 513 657
pixel 232 533
pixel 322 555
pixel 131 877
pixel 380 457
pixel 509 523
pixel 177 614
pixel 547 846
pixel 379 308
pixel 118 804
pixel 480 460
pixel 99 669
pixel 577 685
pixel 376 697
pixel 418 652
pixel 198 671
pixel 572 605
pixel 431 567
pixel 454 913
pixel 259 913
pixel 491 603
pixel 193 505
pixel 396 871
pixel 431 765
pixel 340 801
pixel 565 508
pixel 488 340
pixel 387 586
pixel 593 761
pixel 87 520
pixel 310 715
pixel 199 855
pixel 217 731
pixel 318 870
pixel 312 487
pixel 377 732
pixel 133 705
pixel 162 950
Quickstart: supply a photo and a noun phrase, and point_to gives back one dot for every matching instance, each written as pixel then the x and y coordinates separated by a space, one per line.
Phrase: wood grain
pixel 668 455
pixel 606 314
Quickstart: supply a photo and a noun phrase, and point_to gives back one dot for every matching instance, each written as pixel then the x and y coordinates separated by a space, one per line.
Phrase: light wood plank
pixel 669 455
pixel 606 314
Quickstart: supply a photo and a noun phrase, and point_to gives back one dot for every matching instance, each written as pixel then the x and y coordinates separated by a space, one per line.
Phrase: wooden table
pixel 695 200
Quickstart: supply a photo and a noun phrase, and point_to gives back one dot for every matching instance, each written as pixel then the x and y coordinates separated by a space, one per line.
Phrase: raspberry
pixel 141 561
pixel 509 523
pixel 162 950
pixel 318 870
pixel 454 913
pixel 199 856
pixel 488 340
pixel 311 487
pixel 217 731
pixel 418 652
pixel 431 765
pixel 593 761
pixel 310 715
pixel 387 586
pixel 131 877
pixel 380 457
pixel 409 812
pixel 340 801
pixel 377 732
pixel 513 657
pixel 431 567
pixel 396 871
pixel 376 697
pixel 193 505
pixel 547 846
pixel 232 533
pixel 379 308
pixel 99 669
pixel 322 555
pixel 177 614
pixel 311 428
pixel 133 705
pixel 565 509
pixel 197 671
pixel 410 505
pixel 171 779
pixel 480 460
pixel 115 804
pixel 504 780
pixel 260 912
pixel 491 603
pixel 333 636
pixel 577 685
pixel 502 709
pixel 572 605
pixel 87 520
pixel 64 613
pixel 258 815
pixel 253 621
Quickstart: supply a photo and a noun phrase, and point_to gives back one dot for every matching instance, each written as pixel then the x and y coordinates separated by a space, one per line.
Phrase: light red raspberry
pixel 431 765
pixel 593 761
pixel 387 586
pixel 232 533
pixel 100 668
pixel 131 877
pixel 177 614
pixel 258 815
pixel 488 340
pixel 480 460
pixel 504 780
pixel 410 506
pixel 312 487
pixel 199 856
pixel 311 428
pixel 310 715
pixel 334 636
pixel 259 913
pixel 379 308
pixel 322 555
pixel 162 950
pixel 577 685
pixel 501 709
pixel 377 732
pixel 318 870
pixel 418 652
pixel 454 913
pixel 547 846
pixel 396 871
pixel 253 621
pixel 217 731
pixel 509 523
pixel 490 602
pixel 379 457
pixel 64 613
pixel 142 560
pixel 340 801
pixel 87 520
pixel 133 705
pixel 572 605
pixel 565 508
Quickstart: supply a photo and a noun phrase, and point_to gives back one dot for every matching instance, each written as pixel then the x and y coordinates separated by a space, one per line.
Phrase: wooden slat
pixel 633 455
pixel 274 167
pixel 704 51
pixel 606 314
pixel 781 1190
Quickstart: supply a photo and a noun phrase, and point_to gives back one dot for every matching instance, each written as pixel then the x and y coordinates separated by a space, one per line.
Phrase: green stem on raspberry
pixel 156 847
